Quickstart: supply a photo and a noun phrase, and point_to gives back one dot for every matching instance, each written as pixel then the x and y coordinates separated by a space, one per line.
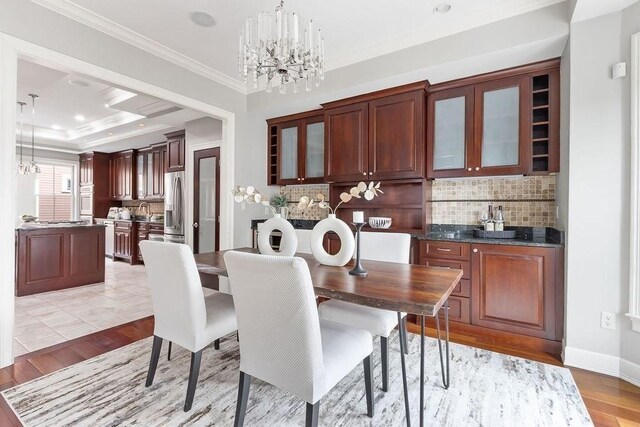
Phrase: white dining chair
pixel 182 314
pixel 304 241
pixel 375 246
pixel 282 340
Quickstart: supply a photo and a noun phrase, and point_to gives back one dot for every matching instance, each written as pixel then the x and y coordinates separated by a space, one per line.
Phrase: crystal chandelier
pixel 277 52
pixel 21 169
pixel 33 166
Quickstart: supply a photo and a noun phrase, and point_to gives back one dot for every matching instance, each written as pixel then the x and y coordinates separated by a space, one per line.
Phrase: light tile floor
pixel 50 318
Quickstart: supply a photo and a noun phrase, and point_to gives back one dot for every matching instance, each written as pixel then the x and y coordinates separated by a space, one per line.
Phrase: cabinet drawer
pixel 465 266
pixel 459 310
pixel 463 289
pixel 122 225
pixel 143 226
pixel 158 228
pixel 449 250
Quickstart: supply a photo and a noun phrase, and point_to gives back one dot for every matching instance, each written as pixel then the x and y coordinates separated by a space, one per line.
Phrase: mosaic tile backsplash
pixel 154 207
pixel 526 201
pixel 293 194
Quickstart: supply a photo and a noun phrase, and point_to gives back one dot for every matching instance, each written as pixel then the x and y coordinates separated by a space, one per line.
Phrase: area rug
pixel 487 389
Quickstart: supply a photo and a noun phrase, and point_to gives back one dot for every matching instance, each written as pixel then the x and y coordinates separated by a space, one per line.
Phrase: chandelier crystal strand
pixel 276 52
pixel 21 170
pixel 33 166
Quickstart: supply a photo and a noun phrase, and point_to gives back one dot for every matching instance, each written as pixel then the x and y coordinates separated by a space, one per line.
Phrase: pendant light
pixel 33 166
pixel 21 169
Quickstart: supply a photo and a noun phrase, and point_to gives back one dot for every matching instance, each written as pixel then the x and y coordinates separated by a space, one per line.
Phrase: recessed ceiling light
pixel 79 118
pixel 203 19
pixel 106 105
pixel 55 127
pixel 110 133
pixel 442 8
pixel 78 83
pixel 141 125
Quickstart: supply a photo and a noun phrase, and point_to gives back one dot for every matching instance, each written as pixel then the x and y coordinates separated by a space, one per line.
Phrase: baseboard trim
pixel 603 364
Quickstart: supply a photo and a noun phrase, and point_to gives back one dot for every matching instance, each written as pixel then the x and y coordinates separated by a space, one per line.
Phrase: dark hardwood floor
pixel 610 401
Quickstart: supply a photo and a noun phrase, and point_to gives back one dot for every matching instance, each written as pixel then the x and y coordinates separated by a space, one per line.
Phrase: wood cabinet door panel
pixel 175 153
pixel 513 289
pixel 83 250
pixel 396 138
pixel 346 143
pixel 50 263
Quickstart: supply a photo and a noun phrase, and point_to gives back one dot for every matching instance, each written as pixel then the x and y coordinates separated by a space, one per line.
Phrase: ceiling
pixel 114 118
pixel 355 30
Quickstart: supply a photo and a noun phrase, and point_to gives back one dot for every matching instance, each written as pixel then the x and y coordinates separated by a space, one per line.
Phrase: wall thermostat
pixel 619 70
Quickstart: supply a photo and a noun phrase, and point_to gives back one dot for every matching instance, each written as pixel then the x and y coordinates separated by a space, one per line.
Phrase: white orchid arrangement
pixel 249 195
pixel 361 190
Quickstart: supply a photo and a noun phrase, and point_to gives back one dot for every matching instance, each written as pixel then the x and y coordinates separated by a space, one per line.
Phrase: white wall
pixel 597 213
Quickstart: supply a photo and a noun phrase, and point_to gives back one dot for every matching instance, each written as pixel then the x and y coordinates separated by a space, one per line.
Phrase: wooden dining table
pixel 410 288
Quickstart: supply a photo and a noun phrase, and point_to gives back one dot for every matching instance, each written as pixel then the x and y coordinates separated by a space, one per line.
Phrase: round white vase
pixel 347 241
pixel 288 242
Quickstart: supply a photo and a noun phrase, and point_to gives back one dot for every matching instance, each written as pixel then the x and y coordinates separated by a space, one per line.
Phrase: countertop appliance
pixel 174 207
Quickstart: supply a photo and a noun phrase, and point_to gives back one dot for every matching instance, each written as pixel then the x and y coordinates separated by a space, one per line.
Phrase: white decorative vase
pixel 288 242
pixel 347 241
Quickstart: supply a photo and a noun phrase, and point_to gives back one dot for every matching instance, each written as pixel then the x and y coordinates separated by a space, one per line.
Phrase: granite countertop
pixel 525 236
pixel 300 224
pixel 131 220
pixel 41 226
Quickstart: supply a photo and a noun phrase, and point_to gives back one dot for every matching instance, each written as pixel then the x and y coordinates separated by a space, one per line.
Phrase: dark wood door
pixel 502 127
pixel 513 289
pixel 175 151
pixel 206 200
pixel 346 133
pixel 159 169
pixel 86 169
pixel 396 136
pixel 450 133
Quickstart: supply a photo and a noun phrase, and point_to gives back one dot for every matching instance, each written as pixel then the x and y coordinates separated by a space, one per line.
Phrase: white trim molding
pixel 634 260
pixel 84 16
pixel 603 364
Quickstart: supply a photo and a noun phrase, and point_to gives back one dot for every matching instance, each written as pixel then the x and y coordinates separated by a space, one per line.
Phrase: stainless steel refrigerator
pixel 174 207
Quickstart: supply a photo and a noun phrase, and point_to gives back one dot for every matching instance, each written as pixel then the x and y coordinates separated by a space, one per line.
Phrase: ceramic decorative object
pixel 347 242
pixel 379 222
pixel 288 242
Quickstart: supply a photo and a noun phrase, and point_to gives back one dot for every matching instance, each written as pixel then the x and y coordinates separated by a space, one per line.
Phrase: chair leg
pixel 312 414
pixel 243 398
pixel 169 353
pixel 193 379
pixel 153 363
pixel 404 335
pixel 368 382
pixel 216 344
pixel 384 358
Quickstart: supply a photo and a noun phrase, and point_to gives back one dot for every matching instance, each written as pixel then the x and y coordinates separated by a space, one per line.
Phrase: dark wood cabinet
pixel 123 175
pixel 501 123
pixel 150 166
pixel 125 238
pixel 86 169
pixel 175 151
pixel 376 136
pixel 296 149
pixel 514 289
pixel 94 194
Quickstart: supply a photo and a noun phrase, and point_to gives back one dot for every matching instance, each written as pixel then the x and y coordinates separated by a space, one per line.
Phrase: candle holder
pixel 358 270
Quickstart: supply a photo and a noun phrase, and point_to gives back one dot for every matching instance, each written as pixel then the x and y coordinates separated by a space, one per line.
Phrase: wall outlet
pixel 608 320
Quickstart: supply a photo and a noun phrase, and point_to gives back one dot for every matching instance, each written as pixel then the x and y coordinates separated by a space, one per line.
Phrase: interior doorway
pixel 206 200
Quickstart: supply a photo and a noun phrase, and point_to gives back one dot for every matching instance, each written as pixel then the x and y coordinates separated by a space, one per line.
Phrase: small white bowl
pixel 379 222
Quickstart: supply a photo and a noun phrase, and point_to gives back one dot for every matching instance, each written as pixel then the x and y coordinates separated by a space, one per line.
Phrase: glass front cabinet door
pixel 300 151
pixel 288 153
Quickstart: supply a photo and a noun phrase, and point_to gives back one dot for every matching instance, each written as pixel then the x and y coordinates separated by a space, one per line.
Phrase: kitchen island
pixel 58 256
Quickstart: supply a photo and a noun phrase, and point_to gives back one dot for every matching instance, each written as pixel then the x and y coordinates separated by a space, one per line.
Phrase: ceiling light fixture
pixel 202 19
pixel 78 83
pixel 442 8
pixel 79 118
pixel 278 54
pixel 106 105
pixel 33 166
pixel 110 133
pixel 141 125
pixel 55 127
pixel 21 169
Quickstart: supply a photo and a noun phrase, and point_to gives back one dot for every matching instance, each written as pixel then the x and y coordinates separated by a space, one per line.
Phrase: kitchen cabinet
pixel 150 172
pixel 502 123
pixel 175 151
pixel 145 229
pixel 86 169
pixel 376 136
pixel 124 244
pixel 515 289
pixel 94 194
pixel 510 293
pixel 296 149
pixel 123 175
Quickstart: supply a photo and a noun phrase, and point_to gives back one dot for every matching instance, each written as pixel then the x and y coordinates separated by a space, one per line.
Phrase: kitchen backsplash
pixel 526 201
pixel 154 207
pixel 293 194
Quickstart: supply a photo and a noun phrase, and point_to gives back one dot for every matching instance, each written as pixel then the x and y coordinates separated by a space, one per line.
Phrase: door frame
pixel 198 155
pixel 12 48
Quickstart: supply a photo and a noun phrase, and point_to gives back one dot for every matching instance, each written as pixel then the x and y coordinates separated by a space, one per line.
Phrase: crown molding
pixel 113 29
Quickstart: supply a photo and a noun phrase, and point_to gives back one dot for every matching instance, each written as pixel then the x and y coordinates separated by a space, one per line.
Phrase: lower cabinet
pixel 505 288
pixel 124 243
pixel 143 234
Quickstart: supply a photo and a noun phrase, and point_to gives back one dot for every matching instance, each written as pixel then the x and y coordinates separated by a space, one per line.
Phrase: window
pixel 54 198
pixel 634 262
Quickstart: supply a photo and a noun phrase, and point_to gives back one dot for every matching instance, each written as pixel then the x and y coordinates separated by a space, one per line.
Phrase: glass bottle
pixel 489 225
pixel 499 221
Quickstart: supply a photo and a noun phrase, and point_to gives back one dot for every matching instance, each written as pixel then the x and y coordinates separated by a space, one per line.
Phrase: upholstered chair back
pixel 386 247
